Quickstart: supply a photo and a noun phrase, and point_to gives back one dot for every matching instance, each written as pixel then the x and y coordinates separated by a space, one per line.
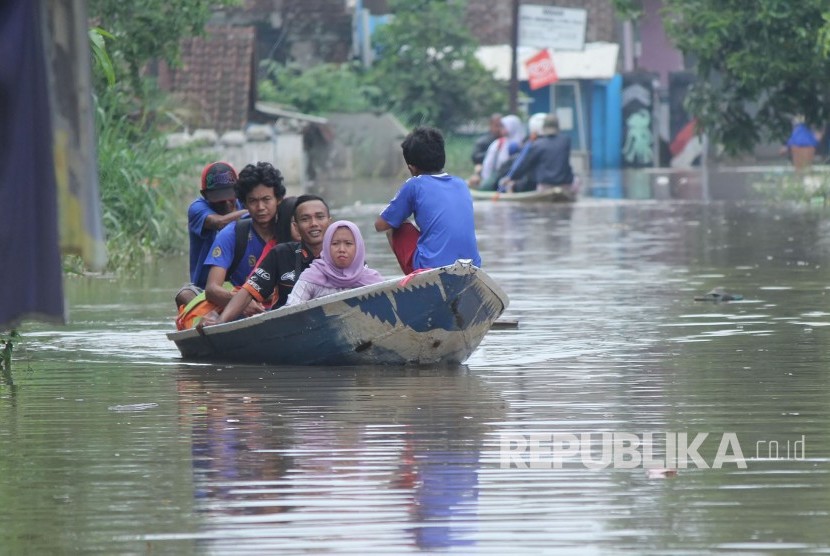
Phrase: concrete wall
pixel 657 53
pixel 285 152
pixel 364 145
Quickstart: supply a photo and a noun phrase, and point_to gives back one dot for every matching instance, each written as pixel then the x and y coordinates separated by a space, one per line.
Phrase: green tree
pixel 141 182
pixel 317 90
pixel 758 63
pixel 427 69
pixel 146 30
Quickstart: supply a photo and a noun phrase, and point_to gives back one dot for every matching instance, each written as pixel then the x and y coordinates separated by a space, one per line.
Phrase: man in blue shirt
pixel 280 268
pixel 261 189
pixel 216 208
pixel 802 144
pixel 442 206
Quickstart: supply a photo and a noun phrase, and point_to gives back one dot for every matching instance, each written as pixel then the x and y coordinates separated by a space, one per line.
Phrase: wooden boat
pixel 435 317
pixel 554 194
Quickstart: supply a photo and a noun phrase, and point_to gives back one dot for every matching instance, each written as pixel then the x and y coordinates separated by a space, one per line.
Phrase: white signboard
pixel 552 27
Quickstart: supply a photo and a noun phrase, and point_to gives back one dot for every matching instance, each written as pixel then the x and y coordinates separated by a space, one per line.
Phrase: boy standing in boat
pixel 261 190
pixel 442 206
pixel 279 269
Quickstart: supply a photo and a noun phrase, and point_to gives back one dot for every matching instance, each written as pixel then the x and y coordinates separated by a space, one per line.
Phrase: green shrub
pixel 809 187
pixel 459 148
pixel 317 90
pixel 428 72
pixel 142 186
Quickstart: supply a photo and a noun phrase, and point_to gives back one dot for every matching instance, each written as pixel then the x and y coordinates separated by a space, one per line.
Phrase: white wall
pixel 285 152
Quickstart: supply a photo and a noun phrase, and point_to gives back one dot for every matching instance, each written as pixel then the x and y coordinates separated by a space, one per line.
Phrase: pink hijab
pixel 324 272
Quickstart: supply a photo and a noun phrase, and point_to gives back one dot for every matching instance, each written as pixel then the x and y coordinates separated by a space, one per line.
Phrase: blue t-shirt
pixel 201 239
pixel 802 136
pixel 443 209
pixel 221 253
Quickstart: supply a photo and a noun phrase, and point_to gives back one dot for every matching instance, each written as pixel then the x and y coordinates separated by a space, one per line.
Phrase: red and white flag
pixel 540 70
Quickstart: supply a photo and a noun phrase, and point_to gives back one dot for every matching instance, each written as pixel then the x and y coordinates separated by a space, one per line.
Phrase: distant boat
pixel 559 194
pixel 433 317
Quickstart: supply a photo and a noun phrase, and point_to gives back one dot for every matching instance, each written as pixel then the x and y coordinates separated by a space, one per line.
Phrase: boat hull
pixel 558 194
pixel 434 317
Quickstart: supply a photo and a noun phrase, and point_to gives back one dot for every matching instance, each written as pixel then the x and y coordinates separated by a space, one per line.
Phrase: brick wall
pixel 215 77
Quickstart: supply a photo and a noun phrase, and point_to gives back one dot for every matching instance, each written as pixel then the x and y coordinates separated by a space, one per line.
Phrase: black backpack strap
pixel 243 226
pixel 298 262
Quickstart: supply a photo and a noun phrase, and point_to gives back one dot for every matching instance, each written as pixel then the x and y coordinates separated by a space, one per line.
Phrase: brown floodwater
pixel 111 444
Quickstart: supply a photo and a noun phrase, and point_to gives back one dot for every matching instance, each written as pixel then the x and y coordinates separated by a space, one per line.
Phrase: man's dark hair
pixel 424 149
pixel 261 174
pixel 306 198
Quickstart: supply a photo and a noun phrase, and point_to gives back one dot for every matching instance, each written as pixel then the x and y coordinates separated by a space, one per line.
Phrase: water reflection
pixel 648 184
pixel 685 184
pixel 402 445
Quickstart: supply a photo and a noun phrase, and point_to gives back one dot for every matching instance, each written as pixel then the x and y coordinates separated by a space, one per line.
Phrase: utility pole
pixel 514 70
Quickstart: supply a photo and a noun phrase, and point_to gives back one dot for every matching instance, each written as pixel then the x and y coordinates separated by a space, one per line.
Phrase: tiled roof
pixel 216 77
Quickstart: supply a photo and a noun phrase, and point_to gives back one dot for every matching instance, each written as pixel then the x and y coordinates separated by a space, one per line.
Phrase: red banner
pixel 540 70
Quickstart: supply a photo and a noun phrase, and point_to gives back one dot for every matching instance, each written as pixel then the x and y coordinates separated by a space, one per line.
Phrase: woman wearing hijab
pixel 341 266
pixel 513 135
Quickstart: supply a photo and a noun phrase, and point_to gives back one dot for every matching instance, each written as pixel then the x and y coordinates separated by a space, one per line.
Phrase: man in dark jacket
pixel 547 162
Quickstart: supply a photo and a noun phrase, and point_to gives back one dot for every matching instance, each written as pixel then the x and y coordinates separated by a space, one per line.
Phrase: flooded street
pixel 111 444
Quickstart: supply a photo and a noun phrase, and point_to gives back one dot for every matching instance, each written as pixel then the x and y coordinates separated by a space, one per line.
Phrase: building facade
pixel 220 70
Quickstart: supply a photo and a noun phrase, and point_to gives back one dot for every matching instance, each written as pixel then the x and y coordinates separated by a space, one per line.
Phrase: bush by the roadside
pixel 459 148
pixel 142 186
pixel 809 187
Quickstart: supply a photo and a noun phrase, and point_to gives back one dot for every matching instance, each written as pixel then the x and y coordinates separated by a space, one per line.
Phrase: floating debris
pixel 133 407
pixel 719 294
pixel 505 323
pixel 661 473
